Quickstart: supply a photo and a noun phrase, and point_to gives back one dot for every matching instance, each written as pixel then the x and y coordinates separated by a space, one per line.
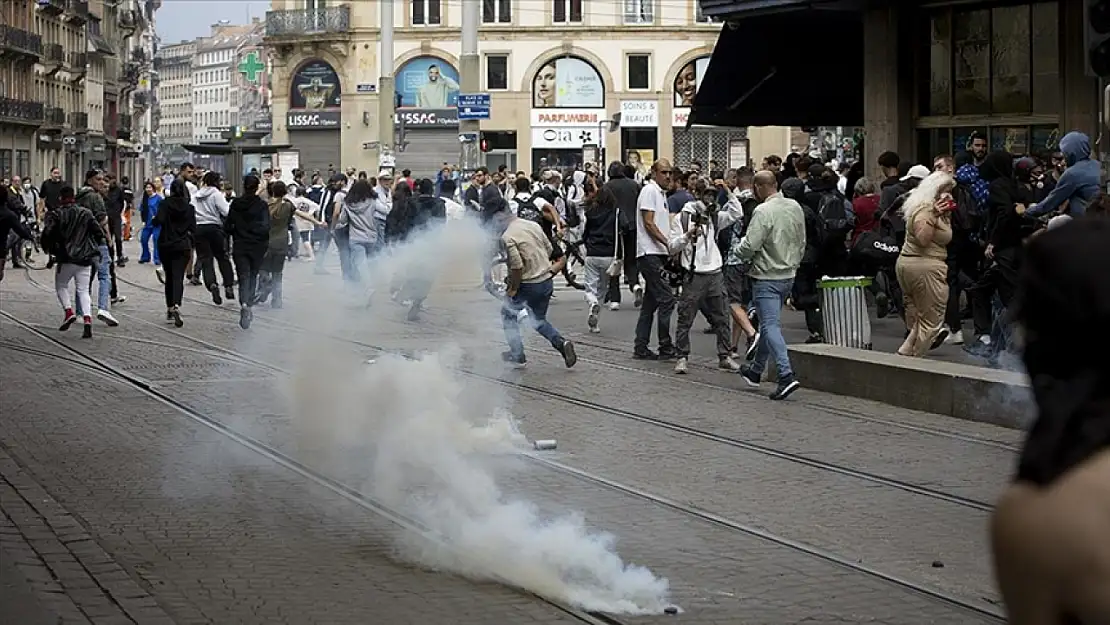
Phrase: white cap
pixel 920 172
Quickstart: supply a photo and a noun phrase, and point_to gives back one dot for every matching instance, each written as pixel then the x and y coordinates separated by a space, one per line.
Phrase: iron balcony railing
pixel 52 7
pixel 55 116
pixel 77 11
pixel 141 99
pixel 12 38
pixel 21 111
pixel 55 53
pixel 79 121
pixel 308 21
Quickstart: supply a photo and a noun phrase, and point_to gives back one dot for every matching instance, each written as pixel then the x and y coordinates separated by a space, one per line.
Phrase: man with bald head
pixel 774 244
pixel 653 225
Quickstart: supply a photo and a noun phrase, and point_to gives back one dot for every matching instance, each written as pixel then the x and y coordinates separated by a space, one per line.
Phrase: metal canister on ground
pixel 544 445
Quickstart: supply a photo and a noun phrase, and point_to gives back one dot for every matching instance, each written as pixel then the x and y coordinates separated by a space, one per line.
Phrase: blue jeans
pixel 534 298
pixel 104 276
pixel 144 240
pixel 768 297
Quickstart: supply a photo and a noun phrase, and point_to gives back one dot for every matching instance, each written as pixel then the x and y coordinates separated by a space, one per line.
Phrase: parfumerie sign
pixel 313 119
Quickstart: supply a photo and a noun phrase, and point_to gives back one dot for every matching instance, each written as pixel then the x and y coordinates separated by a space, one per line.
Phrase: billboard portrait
pixel 315 86
pixel 568 82
pixel 688 79
pixel 427 82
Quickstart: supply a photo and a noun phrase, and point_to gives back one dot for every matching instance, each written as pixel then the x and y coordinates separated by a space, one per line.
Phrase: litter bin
pixel 847 322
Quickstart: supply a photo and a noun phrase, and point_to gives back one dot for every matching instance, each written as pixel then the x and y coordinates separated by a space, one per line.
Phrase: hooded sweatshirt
pixel 178 221
pixel 359 219
pixel 92 200
pixel 1003 222
pixel 1079 183
pixel 211 207
pixel 248 224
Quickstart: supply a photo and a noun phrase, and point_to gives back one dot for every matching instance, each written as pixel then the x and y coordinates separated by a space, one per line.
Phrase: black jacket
pixel 627 191
pixel 248 224
pixel 10 222
pixel 417 213
pixel 178 221
pixel 72 235
pixel 1004 225
pixel 600 232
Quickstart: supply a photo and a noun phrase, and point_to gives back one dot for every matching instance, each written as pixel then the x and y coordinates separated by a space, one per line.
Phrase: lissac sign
pixel 312 119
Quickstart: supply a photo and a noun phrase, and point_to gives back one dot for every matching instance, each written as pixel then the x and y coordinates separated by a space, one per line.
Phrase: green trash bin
pixel 846 319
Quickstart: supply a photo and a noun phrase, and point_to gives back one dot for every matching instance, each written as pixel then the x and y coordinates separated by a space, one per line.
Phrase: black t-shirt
pixel 51 193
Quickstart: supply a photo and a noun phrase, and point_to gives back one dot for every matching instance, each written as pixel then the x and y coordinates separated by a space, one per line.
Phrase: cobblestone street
pixel 157 475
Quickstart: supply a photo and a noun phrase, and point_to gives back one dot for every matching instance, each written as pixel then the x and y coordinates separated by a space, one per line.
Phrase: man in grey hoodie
pixel 211 209
pixel 1079 183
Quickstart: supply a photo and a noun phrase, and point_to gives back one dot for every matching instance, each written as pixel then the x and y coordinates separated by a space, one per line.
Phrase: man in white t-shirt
pixel 653 225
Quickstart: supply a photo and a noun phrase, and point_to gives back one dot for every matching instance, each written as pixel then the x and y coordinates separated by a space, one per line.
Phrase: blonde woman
pixel 921 266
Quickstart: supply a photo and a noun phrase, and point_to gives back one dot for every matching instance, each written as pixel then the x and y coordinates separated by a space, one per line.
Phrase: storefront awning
pixel 747 8
pixel 785 69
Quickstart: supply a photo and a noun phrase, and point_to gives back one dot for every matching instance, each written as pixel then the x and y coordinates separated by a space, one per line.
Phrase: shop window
pixel 1019 140
pixel 497 11
pixel 998 61
pixel 497 71
pixel 566 11
pixel 639 71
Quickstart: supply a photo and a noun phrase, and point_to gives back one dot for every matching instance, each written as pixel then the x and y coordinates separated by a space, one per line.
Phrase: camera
pixel 703 215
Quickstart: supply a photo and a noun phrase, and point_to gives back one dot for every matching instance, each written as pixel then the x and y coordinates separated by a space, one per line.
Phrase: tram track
pixel 985 610
pixel 734 442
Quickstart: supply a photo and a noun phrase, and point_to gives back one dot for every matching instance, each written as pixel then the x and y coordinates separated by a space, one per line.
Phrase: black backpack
pixel 738 228
pixel 526 209
pixel 833 211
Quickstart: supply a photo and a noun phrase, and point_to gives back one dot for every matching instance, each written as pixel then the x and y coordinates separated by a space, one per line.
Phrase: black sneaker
pixel 785 388
pixel 751 378
pixel 245 317
pixel 517 363
pixel 87 333
pixel 169 316
pixel 646 354
pixel 668 354
pixel 815 339
pixel 941 336
pixel 215 291
pixel 229 293
pixel 569 357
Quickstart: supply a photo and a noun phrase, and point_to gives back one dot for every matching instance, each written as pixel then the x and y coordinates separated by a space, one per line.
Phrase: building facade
pixel 173 115
pixel 138 96
pixel 22 113
pixel 555 70
pixel 60 86
pixel 929 74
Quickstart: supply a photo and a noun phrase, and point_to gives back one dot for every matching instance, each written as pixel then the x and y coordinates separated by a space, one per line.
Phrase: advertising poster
pixel 427 82
pixel 568 83
pixel 688 79
pixel 640 160
pixel 315 86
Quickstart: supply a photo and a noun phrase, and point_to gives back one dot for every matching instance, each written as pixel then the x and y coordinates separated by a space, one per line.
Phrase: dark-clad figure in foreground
pixel 1049 530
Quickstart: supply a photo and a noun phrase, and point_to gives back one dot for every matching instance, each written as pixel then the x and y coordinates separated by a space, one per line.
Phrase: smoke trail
pixel 437 451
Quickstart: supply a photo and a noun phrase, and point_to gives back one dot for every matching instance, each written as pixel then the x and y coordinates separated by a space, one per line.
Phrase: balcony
pixel 128 21
pixel 52 7
pixel 55 117
pixel 21 112
pixel 77 12
pixel 300 24
pixel 141 100
pixel 79 122
pixel 54 54
pixel 20 42
pixel 78 62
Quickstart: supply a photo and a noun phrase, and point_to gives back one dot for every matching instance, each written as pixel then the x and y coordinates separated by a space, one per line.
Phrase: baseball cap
pixel 920 172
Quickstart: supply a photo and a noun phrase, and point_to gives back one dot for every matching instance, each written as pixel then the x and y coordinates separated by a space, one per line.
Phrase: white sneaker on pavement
pixel 107 318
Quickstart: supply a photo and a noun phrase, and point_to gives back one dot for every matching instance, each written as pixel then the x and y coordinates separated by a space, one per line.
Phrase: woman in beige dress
pixel 922 269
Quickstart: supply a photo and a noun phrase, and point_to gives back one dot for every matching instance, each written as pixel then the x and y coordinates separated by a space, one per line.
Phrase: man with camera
pixel 693 240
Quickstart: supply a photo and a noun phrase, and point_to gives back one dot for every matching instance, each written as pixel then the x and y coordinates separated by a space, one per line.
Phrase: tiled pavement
pixel 165 498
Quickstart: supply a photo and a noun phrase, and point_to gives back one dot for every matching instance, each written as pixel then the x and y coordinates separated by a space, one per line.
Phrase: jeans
pixel 144 241
pixel 704 292
pixel 115 226
pixel 768 297
pixel 658 298
pixel 104 277
pixel 211 245
pixel 359 255
pixel 247 265
pixel 535 298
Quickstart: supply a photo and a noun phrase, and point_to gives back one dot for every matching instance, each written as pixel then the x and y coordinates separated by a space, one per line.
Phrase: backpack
pixel 833 211
pixel 526 209
pixel 965 217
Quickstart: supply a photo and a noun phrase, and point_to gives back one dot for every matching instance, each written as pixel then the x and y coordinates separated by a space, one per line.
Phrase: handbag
pixel 616 267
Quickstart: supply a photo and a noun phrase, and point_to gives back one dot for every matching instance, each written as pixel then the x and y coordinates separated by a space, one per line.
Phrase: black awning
pixel 740 8
pixel 789 69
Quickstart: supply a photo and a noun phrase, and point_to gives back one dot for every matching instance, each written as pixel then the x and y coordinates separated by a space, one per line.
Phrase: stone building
pixel 555 71
pixel 22 113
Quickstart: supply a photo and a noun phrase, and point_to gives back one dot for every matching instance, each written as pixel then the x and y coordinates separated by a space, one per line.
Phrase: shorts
pixel 737 284
pixel 305 234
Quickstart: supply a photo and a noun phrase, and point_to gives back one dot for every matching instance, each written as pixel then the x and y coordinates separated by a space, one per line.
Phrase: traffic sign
pixel 473 106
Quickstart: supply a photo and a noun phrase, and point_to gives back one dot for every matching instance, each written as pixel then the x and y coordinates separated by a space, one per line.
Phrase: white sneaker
pixel 160 274
pixel 614 306
pixel 119 300
pixel 681 367
pixel 955 338
pixel 107 318
pixel 595 310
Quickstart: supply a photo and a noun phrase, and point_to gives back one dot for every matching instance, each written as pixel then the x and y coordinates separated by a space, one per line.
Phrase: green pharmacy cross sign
pixel 250 67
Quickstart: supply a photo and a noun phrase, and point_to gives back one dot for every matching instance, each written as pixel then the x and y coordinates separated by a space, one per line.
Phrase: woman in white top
pixel 304 226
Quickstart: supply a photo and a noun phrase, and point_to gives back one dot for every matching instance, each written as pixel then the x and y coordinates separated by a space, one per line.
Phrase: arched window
pixel 315 86
pixel 568 82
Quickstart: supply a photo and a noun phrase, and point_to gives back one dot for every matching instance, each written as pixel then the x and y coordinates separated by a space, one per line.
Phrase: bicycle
pixel 30 251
